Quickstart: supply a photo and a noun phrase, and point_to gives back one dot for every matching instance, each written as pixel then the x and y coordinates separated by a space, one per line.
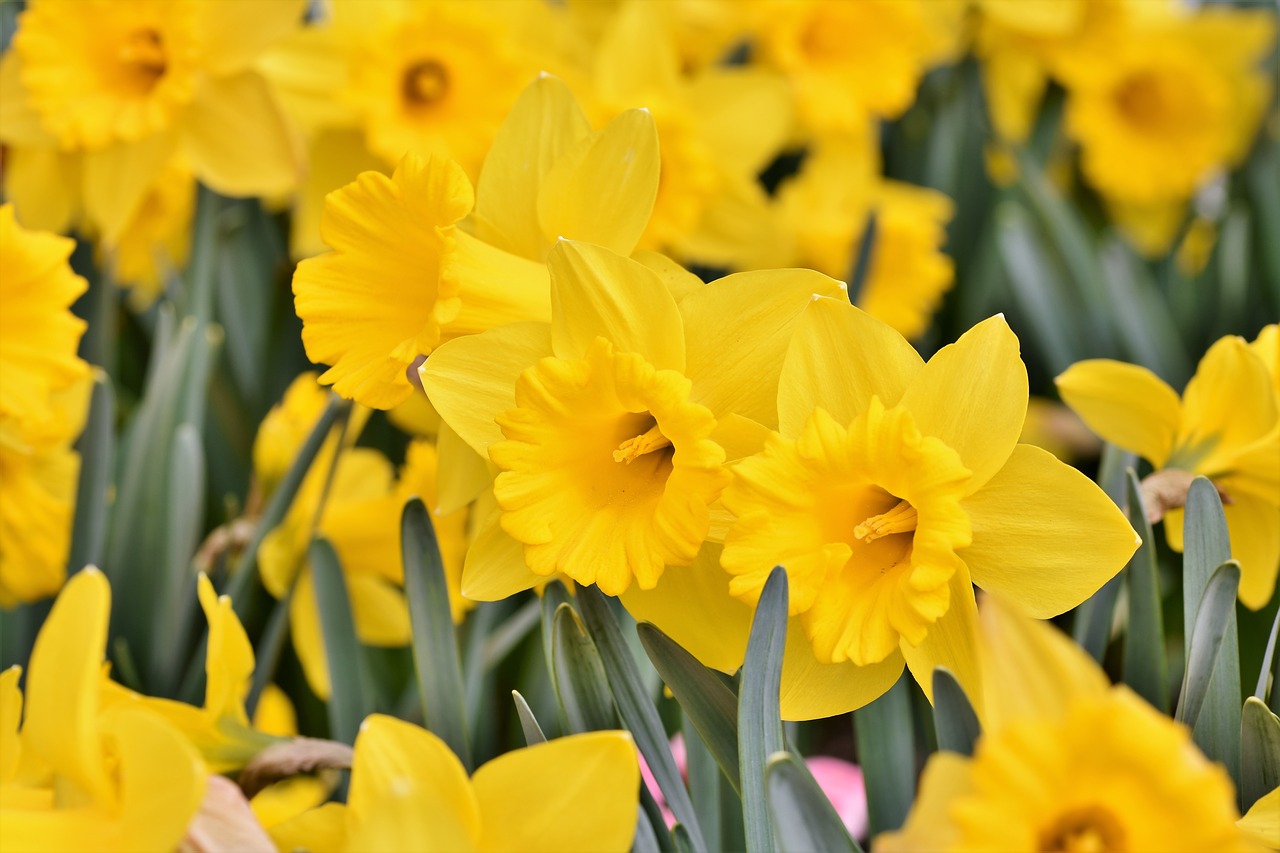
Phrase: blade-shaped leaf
pixel 1218 601
pixel 528 722
pixel 582 687
pixel 803 817
pixel 886 753
pixel 1146 668
pixel 1206 546
pixel 1268 657
pixel 759 715
pixel 708 704
pixel 705 790
pixel 1092 628
pixel 97 449
pixel 953 716
pixel 636 707
pixel 1259 752
pixel 351 696
pixel 435 645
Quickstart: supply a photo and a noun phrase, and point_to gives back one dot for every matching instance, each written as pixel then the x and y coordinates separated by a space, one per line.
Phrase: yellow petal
pixel 10 717
pixel 238 139
pixel 678 280
pixel 1254 528
pixel 544 123
pixel 945 778
pixel 495 566
pixel 321 830
pixel 44 186
pixel 602 189
pixel 736 333
pixel 812 690
pixel 308 638
pixel 1030 669
pixel 740 437
pixel 463 474
pixel 229 659
pixel 726 101
pixel 1262 822
pixel 19 124
pixel 274 714
pixel 973 395
pixel 636 57
pixel 62 685
pixel 379 610
pixel 952 642
pixel 1044 535
pixel 287 799
pixel 472 380
pixel 1227 405
pixel 596 293
pixel 233 35
pixel 117 178
pixel 409 791
pixel 839 358
pixel 1127 405
pixel 576 793
pixel 334 155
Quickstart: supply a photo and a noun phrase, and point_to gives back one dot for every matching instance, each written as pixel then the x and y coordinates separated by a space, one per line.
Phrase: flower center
pixel 646 442
pixel 1153 103
pixel 901 519
pixel 1087 830
pixel 425 83
pixel 144 60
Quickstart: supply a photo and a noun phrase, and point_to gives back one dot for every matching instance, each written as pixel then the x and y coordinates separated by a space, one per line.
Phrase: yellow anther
pixel 647 442
pixel 901 519
pixel 145 50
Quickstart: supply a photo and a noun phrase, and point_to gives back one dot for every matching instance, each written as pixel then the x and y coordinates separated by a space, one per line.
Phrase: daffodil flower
pixel 410 792
pixel 609 426
pixel 87 773
pixel 407 274
pixel 890 486
pixel 1066 762
pixel 1226 427
pixel 130 82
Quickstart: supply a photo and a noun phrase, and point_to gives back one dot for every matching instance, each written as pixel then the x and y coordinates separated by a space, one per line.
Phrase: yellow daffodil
pixel 609 426
pixel 288 798
pixel 86 773
pixel 1162 106
pixel 820 221
pixel 410 792
pixel 1226 427
pixel 719 129
pixel 889 487
pixel 1262 822
pixel 220 729
pixel 129 82
pixel 405 277
pixel 1066 762
pixel 848 62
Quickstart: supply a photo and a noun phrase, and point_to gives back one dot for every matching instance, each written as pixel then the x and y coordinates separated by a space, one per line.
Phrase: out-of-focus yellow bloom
pixel 405 277
pixel 1162 105
pixel 1197 246
pixel 290 797
pixel 86 773
pixel 609 425
pixel 1055 428
pixel 157 239
pixel 1262 822
pixel 410 792
pixel 220 729
pixel 890 485
pixel 821 219
pixel 1226 427
pixel 718 129
pixel 130 82
pixel 1066 762
pixel 1267 347
pixel 43 403
pixel 848 62
pixel 703 31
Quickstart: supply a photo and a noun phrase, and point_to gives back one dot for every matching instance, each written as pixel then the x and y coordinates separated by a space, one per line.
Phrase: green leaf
pixel 1206 546
pixel 351 696
pixel 759 716
pixel 1146 668
pixel 97 449
pixel 708 704
pixel 646 840
pixel 553 595
pixel 528 722
pixel 1218 601
pixel 862 264
pixel 1037 287
pixel 1259 752
pixel 886 752
pixel 508 636
pixel 1092 627
pixel 435 645
pixel 1267 657
pixel 953 716
pixel 704 783
pixel 803 817
pixel 581 684
pixel 680 835
pixel 636 707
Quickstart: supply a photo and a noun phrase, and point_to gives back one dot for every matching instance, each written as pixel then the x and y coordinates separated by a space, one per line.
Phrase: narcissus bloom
pixel 87 773
pixel 890 486
pixel 130 82
pixel 410 792
pixel 609 425
pixel 404 277
pixel 1226 427
pixel 1066 762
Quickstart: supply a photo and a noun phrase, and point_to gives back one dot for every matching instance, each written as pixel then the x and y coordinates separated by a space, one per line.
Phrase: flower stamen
pixel 425 83
pixel 648 441
pixel 901 519
pixel 144 53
